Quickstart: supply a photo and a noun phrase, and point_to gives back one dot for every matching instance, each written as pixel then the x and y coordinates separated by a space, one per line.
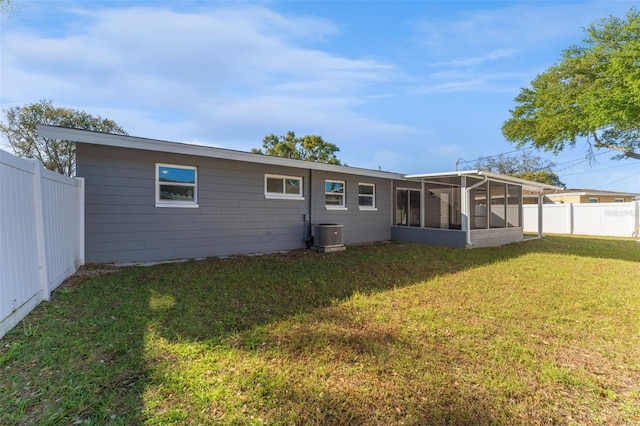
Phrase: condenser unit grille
pixel 328 235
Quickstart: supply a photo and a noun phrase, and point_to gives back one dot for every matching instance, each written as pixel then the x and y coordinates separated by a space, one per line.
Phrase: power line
pixel 491 156
pixel 618 180
pixel 603 168
pixel 578 161
pixel 584 159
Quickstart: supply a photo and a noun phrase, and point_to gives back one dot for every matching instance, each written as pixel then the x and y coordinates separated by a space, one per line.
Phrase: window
pixel 176 186
pixel 619 200
pixel 283 187
pixel 366 196
pixel 593 200
pixel 334 194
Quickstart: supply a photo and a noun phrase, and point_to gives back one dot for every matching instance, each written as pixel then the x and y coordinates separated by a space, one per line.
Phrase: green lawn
pixel 541 332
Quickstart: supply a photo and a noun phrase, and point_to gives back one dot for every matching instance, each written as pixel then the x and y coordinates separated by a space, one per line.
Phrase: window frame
pixel 594 200
pixel 373 206
pixel 283 195
pixel 343 194
pixel 176 203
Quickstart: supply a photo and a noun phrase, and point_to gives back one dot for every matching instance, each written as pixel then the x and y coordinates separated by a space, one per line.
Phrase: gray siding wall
pixel 123 224
pixel 359 225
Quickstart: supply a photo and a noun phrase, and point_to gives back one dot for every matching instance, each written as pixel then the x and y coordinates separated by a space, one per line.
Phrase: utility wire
pixel 597 170
pixel 579 161
pixel 618 180
pixel 491 156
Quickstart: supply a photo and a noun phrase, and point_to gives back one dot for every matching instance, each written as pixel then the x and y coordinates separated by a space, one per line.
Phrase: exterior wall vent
pixel 327 237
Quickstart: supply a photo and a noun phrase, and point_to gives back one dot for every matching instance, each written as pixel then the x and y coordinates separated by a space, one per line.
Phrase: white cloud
pixel 202 73
pixel 456 81
pixel 478 60
pixel 516 25
pixel 478 48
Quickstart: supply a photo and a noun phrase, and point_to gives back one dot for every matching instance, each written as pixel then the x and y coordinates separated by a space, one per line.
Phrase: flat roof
pixel 450 176
pixel 134 142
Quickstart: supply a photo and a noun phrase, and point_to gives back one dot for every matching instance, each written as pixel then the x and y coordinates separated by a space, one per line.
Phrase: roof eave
pixel 133 142
pixel 526 184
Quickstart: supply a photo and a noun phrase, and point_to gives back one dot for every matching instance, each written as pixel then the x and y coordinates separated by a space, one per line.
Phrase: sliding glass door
pixel 408 207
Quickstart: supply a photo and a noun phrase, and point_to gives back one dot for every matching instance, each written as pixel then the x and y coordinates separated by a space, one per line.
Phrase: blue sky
pixel 404 86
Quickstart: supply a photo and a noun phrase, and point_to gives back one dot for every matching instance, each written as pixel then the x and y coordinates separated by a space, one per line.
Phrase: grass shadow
pixel 105 347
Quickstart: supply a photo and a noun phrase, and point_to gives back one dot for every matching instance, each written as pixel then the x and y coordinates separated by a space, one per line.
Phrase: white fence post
pixel 39 227
pixel 637 214
pixel 540 215
pixel 570 218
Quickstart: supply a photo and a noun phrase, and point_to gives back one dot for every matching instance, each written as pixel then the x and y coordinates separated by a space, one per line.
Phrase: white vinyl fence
pixel 41 235
pixel 606 219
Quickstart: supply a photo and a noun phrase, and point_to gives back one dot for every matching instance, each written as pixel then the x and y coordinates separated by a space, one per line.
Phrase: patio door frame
pixel 414 202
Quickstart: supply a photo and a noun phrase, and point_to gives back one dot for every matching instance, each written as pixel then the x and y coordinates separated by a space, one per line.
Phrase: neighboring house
pixel 576 196
pixel 589 196
pixel 149 200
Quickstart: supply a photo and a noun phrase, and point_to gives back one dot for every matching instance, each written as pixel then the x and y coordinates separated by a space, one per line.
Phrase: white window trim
pixel 372 208
pixel 594 200
pixel 344 195
pixel 283 196
pixel 176 203
pixel 618 200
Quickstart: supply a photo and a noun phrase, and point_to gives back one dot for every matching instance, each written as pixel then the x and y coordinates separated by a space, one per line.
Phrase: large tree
pixel 5 7
pixel 308 148
pixel 19 128
pixel 523 166
pixel 592 94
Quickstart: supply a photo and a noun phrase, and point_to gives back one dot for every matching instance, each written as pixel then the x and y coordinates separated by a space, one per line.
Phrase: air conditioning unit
pixel 327 237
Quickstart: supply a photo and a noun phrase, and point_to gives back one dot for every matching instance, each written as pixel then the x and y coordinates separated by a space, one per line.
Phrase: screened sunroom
pixel 470 208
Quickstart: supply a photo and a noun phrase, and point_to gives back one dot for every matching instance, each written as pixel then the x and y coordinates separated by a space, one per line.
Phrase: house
pixel 577 196
pixel 150 200
pixel 589 196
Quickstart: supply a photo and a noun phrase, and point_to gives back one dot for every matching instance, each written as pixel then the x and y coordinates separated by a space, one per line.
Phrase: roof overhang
pixel 132 142
pixel 453 177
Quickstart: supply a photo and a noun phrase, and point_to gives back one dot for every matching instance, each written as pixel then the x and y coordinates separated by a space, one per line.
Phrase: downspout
pixel 308 232
pixel 423 203
pixel 540 213
pixel 467 192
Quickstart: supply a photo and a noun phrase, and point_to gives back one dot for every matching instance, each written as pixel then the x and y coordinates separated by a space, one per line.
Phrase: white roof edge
pixel 524 182
pixel 530 185
pixel 442 174
pixel 134 142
